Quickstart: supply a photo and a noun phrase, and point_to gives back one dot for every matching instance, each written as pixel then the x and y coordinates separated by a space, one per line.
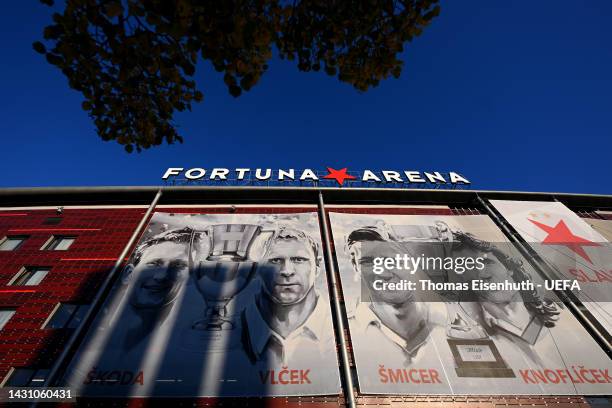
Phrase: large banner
pixel 570 246
pixel 513 341
pixel 215 305
pixel 604 227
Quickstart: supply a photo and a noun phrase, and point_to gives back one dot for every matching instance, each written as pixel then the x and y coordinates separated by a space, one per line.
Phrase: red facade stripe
pixel 17 291
pixel 52 229
pixel 89 259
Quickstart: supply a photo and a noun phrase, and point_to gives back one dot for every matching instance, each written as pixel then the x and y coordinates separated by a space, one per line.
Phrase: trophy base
pixel 479 359
pixel 210 341
pixel 216 326
pixel 484 372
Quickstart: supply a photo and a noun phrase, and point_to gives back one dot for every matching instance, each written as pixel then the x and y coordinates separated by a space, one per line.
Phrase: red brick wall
pixel 75 275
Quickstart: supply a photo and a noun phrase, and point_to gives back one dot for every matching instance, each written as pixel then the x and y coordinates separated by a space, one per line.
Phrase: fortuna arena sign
pixel 292 175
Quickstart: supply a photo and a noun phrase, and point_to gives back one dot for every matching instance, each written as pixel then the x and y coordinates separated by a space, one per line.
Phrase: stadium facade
pixel 250 296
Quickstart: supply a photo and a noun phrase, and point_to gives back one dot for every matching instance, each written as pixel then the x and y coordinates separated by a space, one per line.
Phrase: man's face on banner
pixel 159 274
pixel 289 270
pixel 494 271
pixel 364 260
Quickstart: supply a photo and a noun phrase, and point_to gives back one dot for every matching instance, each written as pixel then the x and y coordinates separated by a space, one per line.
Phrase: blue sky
pixel 513 95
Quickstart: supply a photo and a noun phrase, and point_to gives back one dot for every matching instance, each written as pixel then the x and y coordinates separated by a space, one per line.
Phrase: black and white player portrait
pixel 155 274
pixel 395 317
pixel 286 322
pixel 389 329
pixel 519 313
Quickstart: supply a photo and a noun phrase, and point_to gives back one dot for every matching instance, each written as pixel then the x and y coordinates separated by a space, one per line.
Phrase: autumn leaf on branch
pixel 134 61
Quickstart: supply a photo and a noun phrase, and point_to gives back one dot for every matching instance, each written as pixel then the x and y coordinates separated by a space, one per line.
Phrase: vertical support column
pixel 79 333
pixel 542 269
pixel 346 368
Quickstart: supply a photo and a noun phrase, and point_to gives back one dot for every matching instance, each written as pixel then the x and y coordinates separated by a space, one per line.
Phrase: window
pixel 26 377
pixel 12 243
pixel 58 243
pixel 5 316
pixel 52 220
pixel 66 316
pixel 30 276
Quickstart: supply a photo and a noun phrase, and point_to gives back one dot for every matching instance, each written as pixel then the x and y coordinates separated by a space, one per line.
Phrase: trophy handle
pixel 267 240
pixel 459 324
pixel 267 231
pixel 190 259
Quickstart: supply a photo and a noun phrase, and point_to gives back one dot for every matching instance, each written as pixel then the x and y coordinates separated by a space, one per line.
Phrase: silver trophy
pixel 475 354
pixel 224 271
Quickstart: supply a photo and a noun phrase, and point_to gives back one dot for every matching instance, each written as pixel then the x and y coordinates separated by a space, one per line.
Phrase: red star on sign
pixel 560 234
pixel 338 175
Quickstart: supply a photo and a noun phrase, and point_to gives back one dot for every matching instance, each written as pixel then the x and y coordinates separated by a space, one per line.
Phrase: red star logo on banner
pixel 560 234
pixel 338 175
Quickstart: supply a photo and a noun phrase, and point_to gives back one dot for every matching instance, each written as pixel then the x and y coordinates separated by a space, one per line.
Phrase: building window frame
pixel 32 271
pixel 72 319
pixel 32 381
pixel 4 321
pixel 55 241
pixel 21 238
pixel 55 220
